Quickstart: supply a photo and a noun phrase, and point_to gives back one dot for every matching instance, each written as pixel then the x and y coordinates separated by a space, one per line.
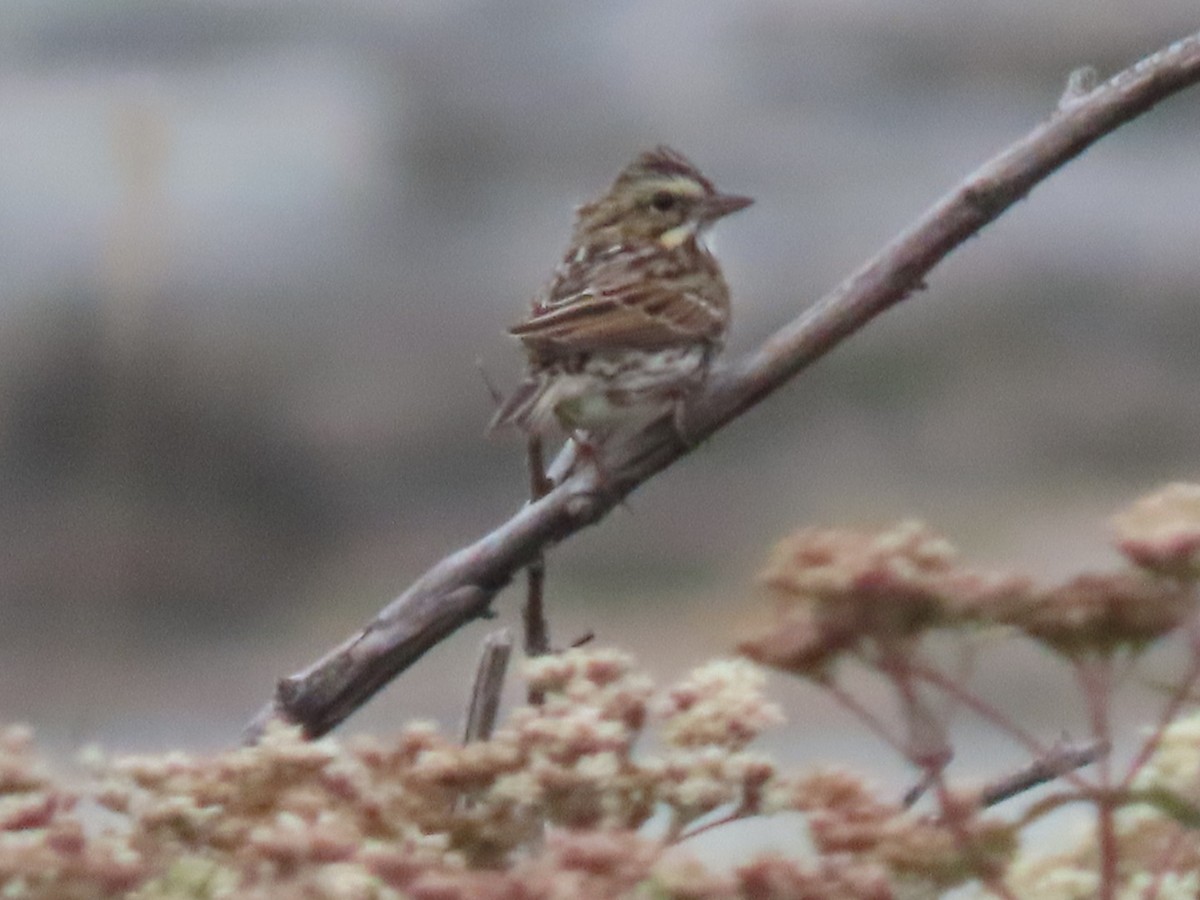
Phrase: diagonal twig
pixel 461 587
pixel 1061 759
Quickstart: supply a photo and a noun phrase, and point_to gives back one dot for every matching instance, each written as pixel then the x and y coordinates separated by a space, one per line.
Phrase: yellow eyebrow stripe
pixel 680 184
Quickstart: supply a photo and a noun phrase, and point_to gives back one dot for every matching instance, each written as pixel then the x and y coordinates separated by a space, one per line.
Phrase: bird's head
pixel 660 196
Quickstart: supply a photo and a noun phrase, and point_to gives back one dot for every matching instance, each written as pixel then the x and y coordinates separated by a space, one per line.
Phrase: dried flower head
pixel 20 769
pixel 45 851
pixel 1159 857
pixel 846 818
pixel 1161 531
pixel 800 641
pixel 840 591
pixel 1174 767
pixel 772 877
pixel 1103 613
pixel 719 704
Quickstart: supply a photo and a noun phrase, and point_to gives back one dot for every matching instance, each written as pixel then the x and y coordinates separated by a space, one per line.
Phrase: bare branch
pixel 461 587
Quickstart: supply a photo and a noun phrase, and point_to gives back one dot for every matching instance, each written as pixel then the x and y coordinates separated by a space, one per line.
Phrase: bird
pixel 627 327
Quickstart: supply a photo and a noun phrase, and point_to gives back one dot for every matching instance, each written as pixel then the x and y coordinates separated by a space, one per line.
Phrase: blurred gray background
pixel 250 255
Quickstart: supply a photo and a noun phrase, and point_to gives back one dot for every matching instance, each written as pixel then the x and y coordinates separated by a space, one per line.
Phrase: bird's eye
pixel 663 200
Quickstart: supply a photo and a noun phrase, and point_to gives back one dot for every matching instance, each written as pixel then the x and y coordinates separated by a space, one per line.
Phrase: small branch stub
pixel 488 686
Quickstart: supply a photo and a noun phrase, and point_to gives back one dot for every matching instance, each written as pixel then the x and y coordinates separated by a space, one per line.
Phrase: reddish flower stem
pixel 927 746
pixel 990 713
pixel 741 811
pixel 864 715
pixel 952 816
pixel 1095 682
pixel 1171 708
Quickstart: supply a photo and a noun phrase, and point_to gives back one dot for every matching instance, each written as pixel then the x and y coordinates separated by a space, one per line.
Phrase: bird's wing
pixel 622 309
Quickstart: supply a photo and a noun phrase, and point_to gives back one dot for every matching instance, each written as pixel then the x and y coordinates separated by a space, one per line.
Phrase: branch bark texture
pixel 462 586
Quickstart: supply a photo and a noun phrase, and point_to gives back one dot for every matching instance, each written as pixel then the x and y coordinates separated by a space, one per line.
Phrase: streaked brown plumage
pixel 635 312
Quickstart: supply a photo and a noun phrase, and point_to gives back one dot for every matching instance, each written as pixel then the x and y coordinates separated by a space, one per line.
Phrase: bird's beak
pixel 719 205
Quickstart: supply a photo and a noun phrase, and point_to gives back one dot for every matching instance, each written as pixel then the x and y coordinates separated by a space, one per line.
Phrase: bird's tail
pixel 515 410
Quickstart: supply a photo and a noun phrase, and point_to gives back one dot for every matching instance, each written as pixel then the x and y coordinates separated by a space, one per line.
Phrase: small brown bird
pixel 635 312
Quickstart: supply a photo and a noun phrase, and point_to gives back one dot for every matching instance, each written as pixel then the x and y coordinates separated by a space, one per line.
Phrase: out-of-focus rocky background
pixel 250 255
